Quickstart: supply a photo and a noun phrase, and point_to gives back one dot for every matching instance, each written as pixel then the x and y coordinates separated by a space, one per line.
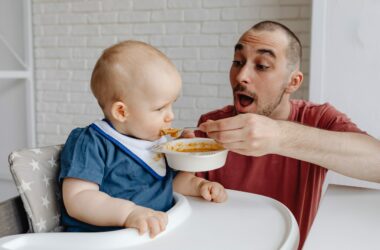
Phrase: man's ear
pixel 119 111
pixel 295 82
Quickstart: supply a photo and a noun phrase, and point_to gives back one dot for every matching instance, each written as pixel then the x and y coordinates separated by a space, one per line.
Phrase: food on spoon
pixel 173 132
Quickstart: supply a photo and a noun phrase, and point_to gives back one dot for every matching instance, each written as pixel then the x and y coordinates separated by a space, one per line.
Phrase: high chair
pixel 31 220
pixel 34 172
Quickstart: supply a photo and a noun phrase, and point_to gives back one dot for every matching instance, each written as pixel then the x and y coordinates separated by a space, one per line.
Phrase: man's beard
pixel 268 109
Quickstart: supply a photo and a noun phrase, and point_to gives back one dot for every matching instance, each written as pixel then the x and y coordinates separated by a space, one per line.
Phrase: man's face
pixel 259 73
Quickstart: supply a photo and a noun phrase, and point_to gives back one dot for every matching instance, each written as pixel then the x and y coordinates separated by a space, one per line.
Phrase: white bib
pixel 139 150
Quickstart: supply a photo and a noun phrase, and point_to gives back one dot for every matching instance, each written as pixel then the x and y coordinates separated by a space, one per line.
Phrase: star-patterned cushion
pixel 34 172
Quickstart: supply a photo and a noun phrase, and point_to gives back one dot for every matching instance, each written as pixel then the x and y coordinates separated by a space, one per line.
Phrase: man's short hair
pixel 294 50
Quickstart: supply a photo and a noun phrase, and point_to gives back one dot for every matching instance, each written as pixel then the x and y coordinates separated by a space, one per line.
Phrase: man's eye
pixel 261 67
pixel 237 63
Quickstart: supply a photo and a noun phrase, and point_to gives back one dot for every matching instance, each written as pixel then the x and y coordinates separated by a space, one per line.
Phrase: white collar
pixel 139 150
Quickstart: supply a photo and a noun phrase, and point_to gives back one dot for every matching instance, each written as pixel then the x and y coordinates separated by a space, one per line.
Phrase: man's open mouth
pixel 245 100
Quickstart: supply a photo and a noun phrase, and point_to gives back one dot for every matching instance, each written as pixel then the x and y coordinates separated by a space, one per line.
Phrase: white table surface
pixel 245 221
pixel 348 218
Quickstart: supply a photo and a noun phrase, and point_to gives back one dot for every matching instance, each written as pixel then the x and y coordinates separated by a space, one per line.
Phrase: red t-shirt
pixel 295 183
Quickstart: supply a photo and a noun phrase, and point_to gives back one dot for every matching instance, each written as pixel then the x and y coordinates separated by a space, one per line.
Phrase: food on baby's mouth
pixel 173 132
pixel 194 147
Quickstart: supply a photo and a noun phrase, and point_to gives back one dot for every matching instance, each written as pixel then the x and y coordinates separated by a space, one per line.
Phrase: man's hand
pixel 145 219
pixel 186 133
pixel 247 134
pixel 212 191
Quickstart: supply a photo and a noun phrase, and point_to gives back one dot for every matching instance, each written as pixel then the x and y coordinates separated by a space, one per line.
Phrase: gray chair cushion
pixel 34 172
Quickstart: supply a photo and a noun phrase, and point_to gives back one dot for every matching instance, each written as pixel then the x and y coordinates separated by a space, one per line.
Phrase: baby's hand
pixel 145 219
pixel 213 191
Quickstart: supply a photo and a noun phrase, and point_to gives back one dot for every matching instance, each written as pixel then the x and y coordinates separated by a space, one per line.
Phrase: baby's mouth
pixel 245 100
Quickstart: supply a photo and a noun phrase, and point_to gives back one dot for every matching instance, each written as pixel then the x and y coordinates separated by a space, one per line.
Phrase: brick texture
pixel 198 35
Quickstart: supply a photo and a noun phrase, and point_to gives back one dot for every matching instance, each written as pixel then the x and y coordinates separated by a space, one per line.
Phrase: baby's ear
pixel 119 111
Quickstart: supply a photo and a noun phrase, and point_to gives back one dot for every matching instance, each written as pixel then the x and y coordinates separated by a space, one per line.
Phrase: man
pixel 279 147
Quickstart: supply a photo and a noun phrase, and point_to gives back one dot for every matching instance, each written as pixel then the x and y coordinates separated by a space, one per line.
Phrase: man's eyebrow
pixel 266 51
pixel 238 46
pixel 270 52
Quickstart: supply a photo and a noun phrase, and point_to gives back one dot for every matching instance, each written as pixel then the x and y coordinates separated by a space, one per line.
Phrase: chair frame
pixel 13 217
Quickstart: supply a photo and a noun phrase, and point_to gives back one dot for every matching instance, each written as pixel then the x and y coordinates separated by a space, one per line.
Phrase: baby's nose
pixel 169 116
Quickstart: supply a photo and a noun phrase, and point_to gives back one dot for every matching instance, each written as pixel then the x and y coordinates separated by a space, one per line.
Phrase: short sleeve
pixel 334 120
pixel 83 156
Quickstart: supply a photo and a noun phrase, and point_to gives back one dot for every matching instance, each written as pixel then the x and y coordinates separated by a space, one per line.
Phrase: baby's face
pixel 150 103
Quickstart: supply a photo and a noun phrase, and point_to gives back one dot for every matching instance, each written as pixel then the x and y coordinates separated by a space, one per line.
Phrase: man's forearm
pixel 352 154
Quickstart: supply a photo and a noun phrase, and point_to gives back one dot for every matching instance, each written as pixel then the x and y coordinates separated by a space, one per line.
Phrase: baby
pixel 109 177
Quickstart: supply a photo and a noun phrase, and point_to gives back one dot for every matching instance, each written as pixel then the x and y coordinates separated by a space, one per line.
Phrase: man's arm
pixel 352 154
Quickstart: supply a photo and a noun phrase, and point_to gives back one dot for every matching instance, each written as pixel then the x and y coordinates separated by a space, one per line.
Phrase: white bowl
pixel 207 154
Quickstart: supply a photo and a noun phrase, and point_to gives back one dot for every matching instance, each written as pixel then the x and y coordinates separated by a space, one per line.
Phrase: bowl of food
pixel 193 154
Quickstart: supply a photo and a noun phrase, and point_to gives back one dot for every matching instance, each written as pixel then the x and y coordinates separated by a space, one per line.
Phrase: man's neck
pixel 283 110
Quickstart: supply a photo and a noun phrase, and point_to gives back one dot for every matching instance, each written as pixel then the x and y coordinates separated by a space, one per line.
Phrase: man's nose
pixel 244 75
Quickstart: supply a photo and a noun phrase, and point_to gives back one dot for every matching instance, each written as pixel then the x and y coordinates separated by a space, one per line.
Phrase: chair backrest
pixel 35 174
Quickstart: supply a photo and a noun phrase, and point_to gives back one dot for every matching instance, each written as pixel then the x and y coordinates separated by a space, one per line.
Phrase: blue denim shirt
pixel 90 156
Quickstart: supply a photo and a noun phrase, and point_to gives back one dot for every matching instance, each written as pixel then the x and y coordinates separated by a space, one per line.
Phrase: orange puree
pixel 195 147
pixel 173 132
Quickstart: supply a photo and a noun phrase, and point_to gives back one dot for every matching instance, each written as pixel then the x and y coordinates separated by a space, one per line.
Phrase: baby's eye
pixel 261 67
pixel 237 63
pixel 161 108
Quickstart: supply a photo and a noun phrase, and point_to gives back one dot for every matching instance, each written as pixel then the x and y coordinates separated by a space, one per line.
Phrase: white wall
pixel 12 29
pixel 8 190
pixel 346 62
pixel 198 35
pixel 345 65
pixel 13 113
pixel 14 128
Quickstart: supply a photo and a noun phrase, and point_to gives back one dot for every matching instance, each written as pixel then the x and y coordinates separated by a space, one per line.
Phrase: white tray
pixel 245 221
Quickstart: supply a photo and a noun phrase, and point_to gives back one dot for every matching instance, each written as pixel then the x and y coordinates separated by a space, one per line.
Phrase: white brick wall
pixel 198 35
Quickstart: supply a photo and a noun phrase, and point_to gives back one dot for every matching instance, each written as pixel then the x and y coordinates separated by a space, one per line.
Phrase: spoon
pixel 175 133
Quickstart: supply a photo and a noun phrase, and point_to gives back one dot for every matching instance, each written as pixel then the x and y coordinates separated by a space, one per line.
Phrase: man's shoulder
pixel 303 104
pixel 324 116
pixel 217 114
pixel 301 108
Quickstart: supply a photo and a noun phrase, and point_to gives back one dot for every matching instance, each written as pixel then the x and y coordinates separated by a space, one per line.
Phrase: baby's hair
pixel 105 80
